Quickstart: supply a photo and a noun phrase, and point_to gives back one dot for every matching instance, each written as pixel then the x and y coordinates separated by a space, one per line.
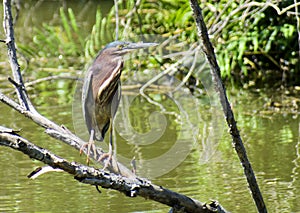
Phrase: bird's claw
pixel 108 161
pixel 89 145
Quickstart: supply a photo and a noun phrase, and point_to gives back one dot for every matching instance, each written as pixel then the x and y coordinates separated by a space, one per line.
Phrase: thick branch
pixel 236 138
pixel 63 134
pixel 129 186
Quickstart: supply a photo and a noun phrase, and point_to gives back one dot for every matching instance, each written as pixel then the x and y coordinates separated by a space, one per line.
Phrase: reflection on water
pixel 272 144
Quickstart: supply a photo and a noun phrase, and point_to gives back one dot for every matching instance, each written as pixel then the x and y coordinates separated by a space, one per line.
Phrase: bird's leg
pixel 110 148
pixel 110 161
pixel 90 144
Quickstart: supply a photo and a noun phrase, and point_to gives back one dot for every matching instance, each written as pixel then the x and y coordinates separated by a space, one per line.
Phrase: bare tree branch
pixel 117 19
pixel 51 78
pixel 220 89
pixel 218 27
pixel 62 133
pixel 12 55
pixel 125 182
pixel 131 187
pixel 26 108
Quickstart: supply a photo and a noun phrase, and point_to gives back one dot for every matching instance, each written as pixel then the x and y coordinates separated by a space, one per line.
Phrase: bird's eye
pixel 120 46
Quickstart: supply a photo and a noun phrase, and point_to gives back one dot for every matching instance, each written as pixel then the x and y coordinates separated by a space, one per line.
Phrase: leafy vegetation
pixel 256 45
pixel 256 42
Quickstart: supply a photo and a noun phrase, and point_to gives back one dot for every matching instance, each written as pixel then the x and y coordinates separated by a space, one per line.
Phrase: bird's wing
pixel 88 103
pixel 110 76
pixel 116 100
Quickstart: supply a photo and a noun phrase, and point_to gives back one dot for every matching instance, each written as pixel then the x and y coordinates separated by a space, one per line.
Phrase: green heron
pixel 101 91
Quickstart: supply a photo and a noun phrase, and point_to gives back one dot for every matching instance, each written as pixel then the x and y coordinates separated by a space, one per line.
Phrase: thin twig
pixel 130 14
pixel 12 55
pixel 117 19
pixel 192 68
pixel 264 5
pixel 17 7
pixel 50 78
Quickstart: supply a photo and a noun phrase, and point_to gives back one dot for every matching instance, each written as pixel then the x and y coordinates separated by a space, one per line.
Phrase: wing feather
pixel 88 105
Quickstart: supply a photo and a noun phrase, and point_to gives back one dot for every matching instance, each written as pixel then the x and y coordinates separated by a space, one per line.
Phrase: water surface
pixel 209 170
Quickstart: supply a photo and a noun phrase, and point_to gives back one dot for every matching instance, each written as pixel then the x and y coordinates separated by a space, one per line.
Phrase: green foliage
pixel 63 40
pixel 254 44
pixel 67 40
pixel 166 18
pixel 102 32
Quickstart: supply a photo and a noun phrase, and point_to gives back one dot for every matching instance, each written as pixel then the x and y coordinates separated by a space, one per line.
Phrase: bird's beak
pixel 133 46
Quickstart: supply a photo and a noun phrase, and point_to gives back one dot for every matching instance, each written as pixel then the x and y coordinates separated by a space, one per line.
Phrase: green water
pixel 204 165
pixel 211 169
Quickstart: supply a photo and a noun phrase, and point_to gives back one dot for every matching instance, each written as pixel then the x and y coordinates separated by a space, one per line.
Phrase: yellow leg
pixel 108 155
pixel 110 145
pixel 90 145
pixel 110 149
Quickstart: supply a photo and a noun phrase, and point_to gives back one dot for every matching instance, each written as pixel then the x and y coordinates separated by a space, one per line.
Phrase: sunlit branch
pixel 131 187
pixel 12 55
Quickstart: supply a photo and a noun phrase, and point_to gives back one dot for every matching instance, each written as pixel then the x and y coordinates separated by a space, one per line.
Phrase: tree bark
pixel 131 187
pixel 125 182
pixel 220 89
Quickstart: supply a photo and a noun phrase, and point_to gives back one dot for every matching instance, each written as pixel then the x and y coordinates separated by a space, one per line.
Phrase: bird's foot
pixel 108 161
pixel 90 145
